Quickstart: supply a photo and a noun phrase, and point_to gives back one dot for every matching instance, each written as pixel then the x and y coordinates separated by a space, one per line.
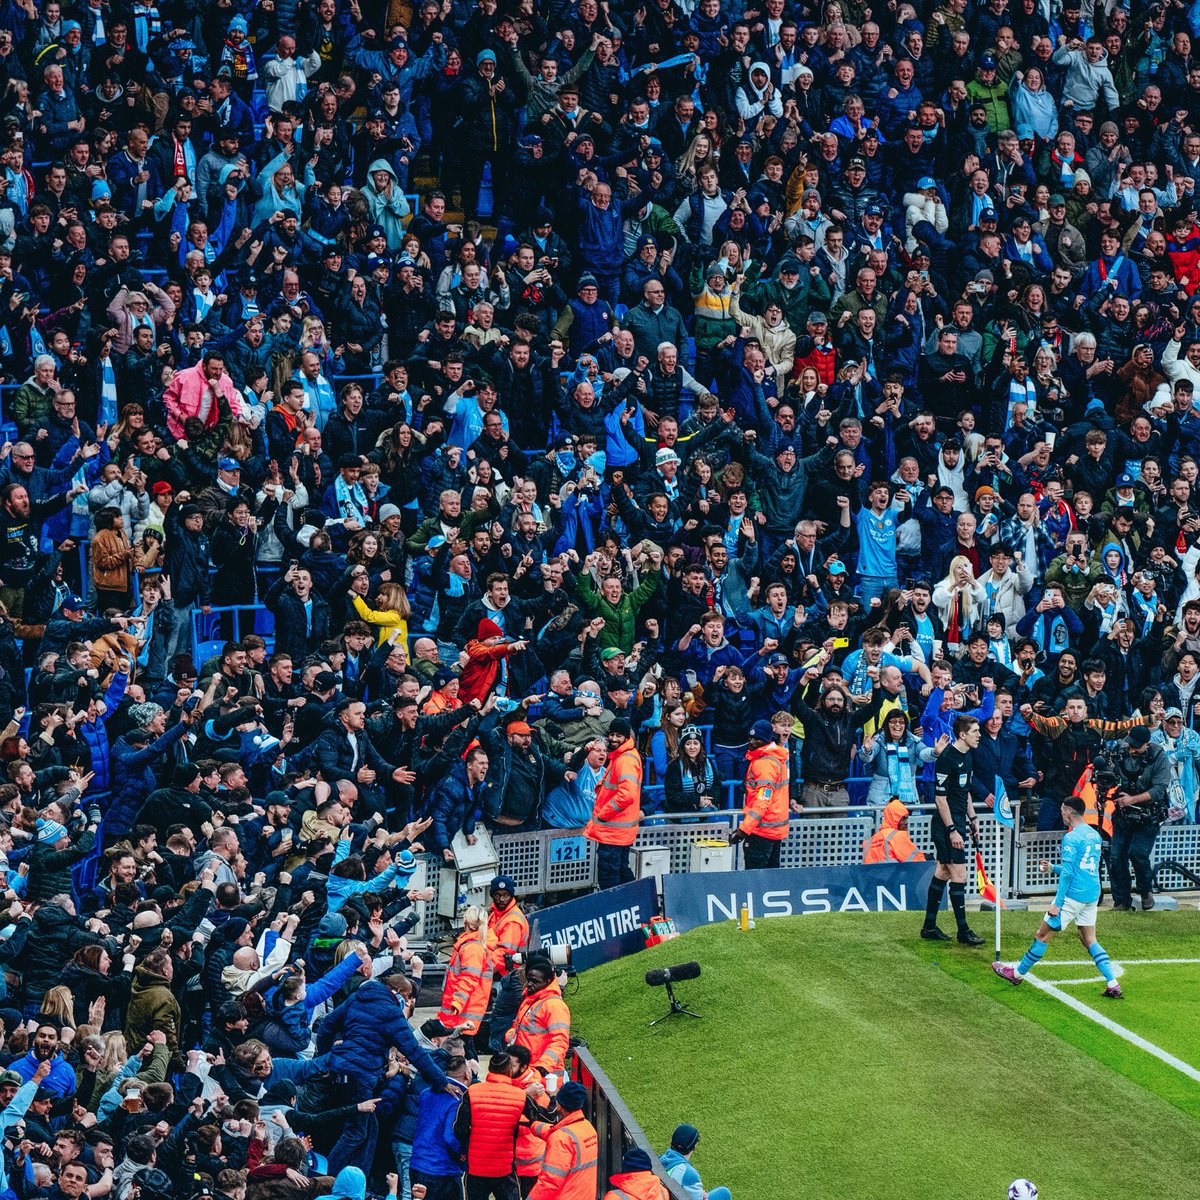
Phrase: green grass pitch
pixel 840 1057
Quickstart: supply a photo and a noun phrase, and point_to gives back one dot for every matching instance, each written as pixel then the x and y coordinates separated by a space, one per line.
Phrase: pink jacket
pixel 186 390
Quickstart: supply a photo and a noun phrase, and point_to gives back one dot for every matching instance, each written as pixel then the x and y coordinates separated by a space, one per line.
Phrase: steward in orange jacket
pixel 636 1179
pixel 765 821
pixel 508 929
pixel 570 1167
pixel 618 810
pixel 530 1148
pixel 468 985
pixel 543 1024
pixel 890 842
pixel 488 1121
pixel 618 807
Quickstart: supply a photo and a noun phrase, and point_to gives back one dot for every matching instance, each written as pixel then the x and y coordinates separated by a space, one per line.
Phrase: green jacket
pixel 995 100
pixel 811 294
pixel 620 619
pixel 152 1005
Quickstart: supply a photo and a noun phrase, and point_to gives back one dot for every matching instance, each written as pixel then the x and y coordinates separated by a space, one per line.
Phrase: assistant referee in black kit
pixel 953 820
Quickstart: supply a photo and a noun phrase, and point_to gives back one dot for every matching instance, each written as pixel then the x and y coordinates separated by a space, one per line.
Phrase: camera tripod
pixel 676 1008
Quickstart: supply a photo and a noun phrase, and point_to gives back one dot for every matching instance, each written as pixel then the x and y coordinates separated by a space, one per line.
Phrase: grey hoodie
pixel 1086 81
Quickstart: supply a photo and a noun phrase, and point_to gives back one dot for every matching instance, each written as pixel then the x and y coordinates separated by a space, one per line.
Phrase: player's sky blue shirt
pixel 877 542
pixel 1079 875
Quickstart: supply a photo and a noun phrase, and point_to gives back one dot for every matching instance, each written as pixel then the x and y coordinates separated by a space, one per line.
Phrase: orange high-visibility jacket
pixel 618 809
pixel 508 932
pixel 1093 813
pixel 890 843
pixel 468 984
pixel 766 813
pixel 569 1170
pixel 496 1107
pixel 543 1027
pixel 530 1148
pixel 636 1185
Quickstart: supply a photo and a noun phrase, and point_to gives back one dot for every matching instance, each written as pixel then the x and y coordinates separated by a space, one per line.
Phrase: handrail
pixel 617 1127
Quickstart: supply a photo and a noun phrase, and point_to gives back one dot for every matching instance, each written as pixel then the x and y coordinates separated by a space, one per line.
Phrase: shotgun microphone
pixel 663 975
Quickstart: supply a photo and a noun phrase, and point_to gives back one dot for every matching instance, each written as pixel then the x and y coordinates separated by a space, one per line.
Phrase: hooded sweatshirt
pixel 752 101
pixel 387 211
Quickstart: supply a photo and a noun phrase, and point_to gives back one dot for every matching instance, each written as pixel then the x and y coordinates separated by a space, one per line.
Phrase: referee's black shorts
pixel 943 851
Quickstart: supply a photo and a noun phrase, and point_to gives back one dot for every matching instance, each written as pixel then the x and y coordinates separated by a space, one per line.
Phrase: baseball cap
pixel 228 464
pixel 873 210
pixel 1139 735
pixel 789 266
pixel 1167 716
pixel 856 163
pixel 74 602
pixel 926 182
pixel 162 488
pixel 609 653
pixel 1125 480
pixel 817 318
pixel 777 660
pixel 519 727
pixel 1057 201
pixel 837 568
pixel 987 62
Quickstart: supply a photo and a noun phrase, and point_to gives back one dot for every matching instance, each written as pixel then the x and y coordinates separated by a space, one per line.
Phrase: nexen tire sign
pixel 705 899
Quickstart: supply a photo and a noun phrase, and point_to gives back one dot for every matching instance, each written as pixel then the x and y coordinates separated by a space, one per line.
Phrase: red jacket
pixel 495 1109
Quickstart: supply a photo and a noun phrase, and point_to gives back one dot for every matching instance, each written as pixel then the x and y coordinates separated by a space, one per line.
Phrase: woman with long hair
pixel 692 782
pixel 90 978
pixel 59 1003
pixel 894 756
pixel 959 599
pixel 664 744
pixel 701 152
pixel 390 614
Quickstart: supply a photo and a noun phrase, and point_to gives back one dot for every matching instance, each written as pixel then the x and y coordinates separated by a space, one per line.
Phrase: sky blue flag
pixel 1003 808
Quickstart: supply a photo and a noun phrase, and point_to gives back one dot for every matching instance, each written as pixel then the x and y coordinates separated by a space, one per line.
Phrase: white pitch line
pixel 1129 962
pixel 1134 1039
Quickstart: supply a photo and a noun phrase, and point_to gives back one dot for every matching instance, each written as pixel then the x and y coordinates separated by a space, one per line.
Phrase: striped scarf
pixel 901 778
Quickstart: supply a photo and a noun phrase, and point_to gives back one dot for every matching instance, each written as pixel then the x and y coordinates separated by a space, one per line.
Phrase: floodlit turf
pixel 841 1058
pixel 1159 1004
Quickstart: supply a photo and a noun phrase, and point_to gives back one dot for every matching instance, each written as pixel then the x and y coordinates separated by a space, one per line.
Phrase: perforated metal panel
pixel 679 838
pixel 826 841
pixel 521 856
pixel 1032 848
pixel 567 875
pixel 997 865
pixel 1181 844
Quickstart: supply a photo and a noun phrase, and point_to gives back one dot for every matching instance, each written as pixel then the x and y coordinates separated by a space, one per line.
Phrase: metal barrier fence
pixel 560 860
pixel 616 1126
pixel 1178 843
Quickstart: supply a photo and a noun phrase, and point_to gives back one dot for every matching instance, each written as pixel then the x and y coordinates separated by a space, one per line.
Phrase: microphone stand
pixel 676 1008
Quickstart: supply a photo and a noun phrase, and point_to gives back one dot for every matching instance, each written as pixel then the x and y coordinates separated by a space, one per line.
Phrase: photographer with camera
pixel 1077 743
pixel 1143 782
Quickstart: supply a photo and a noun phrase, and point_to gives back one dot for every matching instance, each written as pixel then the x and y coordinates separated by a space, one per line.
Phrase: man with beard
pixel 829 736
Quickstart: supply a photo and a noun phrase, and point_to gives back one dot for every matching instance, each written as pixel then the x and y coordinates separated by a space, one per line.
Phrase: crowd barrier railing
pixel 616 1127
pixel 552 861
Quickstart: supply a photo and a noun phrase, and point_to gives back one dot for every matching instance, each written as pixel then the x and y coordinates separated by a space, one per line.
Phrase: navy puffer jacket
pixel 359 1032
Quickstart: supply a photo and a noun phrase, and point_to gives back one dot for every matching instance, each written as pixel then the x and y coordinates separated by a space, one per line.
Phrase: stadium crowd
pixel 618 408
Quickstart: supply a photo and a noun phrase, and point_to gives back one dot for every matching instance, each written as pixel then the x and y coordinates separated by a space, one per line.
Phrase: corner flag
pixel 1003 806
pixel 985 887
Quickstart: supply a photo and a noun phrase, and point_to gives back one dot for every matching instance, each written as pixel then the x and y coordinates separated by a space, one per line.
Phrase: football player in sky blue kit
pixel 1075 900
